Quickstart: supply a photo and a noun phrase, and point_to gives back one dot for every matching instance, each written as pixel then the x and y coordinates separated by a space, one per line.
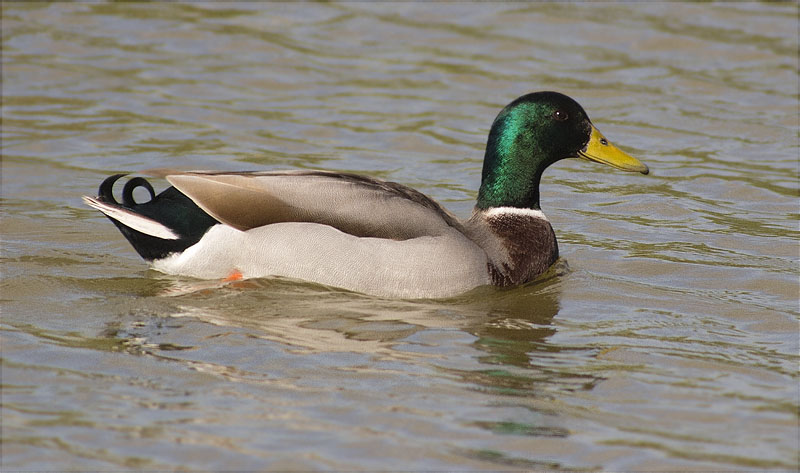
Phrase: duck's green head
pixel 533 132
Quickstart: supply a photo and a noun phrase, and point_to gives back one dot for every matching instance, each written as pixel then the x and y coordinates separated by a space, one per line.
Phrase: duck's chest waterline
pixel 522 244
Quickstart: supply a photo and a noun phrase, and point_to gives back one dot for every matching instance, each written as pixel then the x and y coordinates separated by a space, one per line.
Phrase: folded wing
pixel 354 204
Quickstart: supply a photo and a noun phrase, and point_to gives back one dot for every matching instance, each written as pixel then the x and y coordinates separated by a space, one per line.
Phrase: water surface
pixel 670 342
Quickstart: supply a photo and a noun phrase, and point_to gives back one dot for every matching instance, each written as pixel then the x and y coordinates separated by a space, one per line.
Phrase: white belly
pixel 440 266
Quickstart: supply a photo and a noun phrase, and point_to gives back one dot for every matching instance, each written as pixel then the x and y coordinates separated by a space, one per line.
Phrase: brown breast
pixel 530 244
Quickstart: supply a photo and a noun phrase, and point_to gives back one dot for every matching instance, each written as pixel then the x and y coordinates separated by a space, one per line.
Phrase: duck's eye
pixel 560 115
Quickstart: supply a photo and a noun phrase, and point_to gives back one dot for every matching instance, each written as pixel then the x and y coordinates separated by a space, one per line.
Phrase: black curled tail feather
pixel 105 192
pixel 170 208
pixel 133 183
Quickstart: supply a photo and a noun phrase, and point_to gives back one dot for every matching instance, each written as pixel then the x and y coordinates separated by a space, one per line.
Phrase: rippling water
pixel 671 342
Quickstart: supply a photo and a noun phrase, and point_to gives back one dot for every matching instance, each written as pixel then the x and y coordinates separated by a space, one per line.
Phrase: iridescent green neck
pixel 514 160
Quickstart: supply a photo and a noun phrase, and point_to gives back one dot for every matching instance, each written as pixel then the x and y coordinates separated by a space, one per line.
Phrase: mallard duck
pixel 365 234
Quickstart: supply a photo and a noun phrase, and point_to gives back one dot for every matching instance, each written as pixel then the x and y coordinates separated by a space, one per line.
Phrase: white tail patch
pixel 148 226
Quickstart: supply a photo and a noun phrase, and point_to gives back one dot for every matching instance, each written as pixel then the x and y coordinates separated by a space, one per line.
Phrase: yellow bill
pixel 600 150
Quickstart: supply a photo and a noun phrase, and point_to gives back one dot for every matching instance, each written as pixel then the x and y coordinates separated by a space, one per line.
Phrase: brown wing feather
pixel 359 205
